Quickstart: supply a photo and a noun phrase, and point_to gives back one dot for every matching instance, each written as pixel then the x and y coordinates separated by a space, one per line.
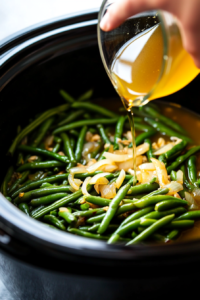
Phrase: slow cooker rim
pixel 29 227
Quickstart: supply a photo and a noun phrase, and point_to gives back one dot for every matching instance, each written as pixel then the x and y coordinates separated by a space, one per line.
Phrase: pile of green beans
pixel 44 152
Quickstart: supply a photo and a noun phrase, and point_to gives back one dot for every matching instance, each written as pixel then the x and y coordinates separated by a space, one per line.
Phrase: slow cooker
pixel 37 262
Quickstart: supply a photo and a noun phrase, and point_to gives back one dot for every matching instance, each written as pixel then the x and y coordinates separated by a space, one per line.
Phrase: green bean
pixel 56 148
pixel 192 171
pixel 186 183
pixel 142 127
pixel 67 216
pixel 114 206
pixel 172 235
pixel 163 191
pixel 74 132
pixel 155 114
pixel 86 96
pixel 84 228
pixel 68 149
pixel 121 231
pixel 72 143
pixel 35 184
pixel 103 134
pixel 84 206
pixel 54 213
pixel 96 108
pixel 83 123
pixel 190 215
pixel 19 181
pixel 119 131
pixel 66 96
pixel 173 175
pixel 97 150
pixel 59 203
pixel 47 199
pixel 46 153
pixel 41 165
pixel 145 135
pixel 42 131
pixel 47 114
pixel 87 234
pixel 95 219
pixel 182 158
pixel 42 192
pixel 20 159
pixel 71 117
pixel 57 139
pixel 183 224
pixel 4 186
pixel 179 147
pixel 95 227
pixel 151 229
pixel 151 200
pixel 36 210
pixel 55 221
pixel 25 208
pixel 89 213
pixel 136 215
pixel 97 200
pixel 149 153
pixel 124 208
pixel 143 188
pixel 170 204
pixel 160 214
pixel 166 130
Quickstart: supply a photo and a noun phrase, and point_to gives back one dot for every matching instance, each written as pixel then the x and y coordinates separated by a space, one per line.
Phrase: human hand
pixel 186 11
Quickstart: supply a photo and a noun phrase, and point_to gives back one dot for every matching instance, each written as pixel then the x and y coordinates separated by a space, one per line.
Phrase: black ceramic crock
pixel 41 263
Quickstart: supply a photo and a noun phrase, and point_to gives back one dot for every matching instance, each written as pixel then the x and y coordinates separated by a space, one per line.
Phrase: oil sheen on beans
pixel 138 67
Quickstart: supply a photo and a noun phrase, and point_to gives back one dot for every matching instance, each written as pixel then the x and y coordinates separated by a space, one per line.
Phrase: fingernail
pixel 104 24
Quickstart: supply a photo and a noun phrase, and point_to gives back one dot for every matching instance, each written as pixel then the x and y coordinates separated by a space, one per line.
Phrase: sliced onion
pixel 63 209
pixel 120 179
pixel 99 164
pixel 176 140
pixel 161 172
pixel 147 166
pixel 108 191
pixel 191 201
pixel 196 192
pixel 164 149
pixel 129 163
pixel 142 149
pixel 147 176
pixel 109 168
pixel 179 176
pixel 174 187
pixel 78 170
pixel 75 183
pixel 84 186
pixel 96 179
pixel 117 157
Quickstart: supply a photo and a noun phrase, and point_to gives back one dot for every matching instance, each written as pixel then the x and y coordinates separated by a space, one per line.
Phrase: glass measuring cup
pixel 144 57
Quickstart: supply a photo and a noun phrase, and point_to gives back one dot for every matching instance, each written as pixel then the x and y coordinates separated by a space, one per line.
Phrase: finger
pixel 190 27
pixel 121 10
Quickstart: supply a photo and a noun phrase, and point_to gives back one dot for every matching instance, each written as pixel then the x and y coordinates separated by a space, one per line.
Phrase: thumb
pixel 121 10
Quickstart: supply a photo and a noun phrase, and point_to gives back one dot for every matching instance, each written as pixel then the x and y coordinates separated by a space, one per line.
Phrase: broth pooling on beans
pixel 73 171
